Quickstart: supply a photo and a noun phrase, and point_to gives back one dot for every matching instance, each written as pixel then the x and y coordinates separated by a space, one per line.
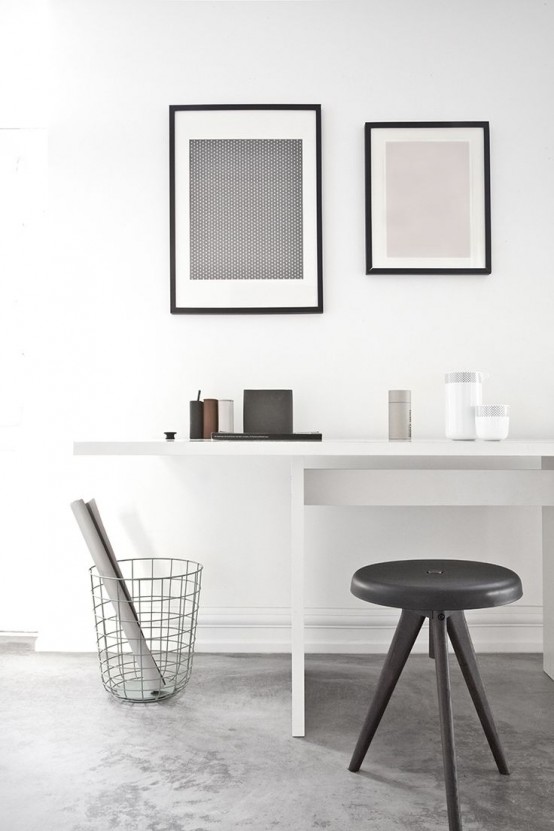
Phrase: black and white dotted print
pixel 246 209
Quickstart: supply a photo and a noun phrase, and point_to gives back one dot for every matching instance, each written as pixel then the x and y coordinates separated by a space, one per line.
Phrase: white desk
pixel 394 473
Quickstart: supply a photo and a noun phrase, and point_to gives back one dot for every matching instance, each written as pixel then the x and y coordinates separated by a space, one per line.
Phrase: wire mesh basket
pixel 146 626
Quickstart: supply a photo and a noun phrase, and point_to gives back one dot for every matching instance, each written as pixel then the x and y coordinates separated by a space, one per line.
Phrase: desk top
pixel 327 447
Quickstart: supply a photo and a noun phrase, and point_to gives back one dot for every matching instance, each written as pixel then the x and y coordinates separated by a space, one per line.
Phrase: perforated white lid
pixel 464 377
pixel 492 410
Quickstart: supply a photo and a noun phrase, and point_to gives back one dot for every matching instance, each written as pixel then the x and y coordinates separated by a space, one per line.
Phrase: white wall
pixel 23 164
pixel 114 363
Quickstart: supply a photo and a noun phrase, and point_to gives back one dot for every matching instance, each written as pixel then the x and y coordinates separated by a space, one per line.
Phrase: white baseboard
pixel 17 641
pixel 512 628
pixel 505 629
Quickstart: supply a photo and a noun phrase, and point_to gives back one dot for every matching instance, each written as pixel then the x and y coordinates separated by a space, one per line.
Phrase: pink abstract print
pixel 428 199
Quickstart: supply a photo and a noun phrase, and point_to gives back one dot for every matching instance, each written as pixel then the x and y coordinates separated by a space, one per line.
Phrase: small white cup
pixel 492 421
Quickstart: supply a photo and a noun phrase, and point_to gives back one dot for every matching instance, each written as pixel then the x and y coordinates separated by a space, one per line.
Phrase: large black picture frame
pixel 245 209
pixel 427 191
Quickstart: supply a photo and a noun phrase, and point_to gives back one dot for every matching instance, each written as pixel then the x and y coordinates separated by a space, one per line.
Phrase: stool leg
pixel 440 645
pixel 463 647
pixel 404 638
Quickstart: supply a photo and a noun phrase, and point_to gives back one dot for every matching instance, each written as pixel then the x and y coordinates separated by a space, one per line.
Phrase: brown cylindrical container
pixel 210 417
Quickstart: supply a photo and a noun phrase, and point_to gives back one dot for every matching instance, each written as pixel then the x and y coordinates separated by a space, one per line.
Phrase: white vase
pixel 464 391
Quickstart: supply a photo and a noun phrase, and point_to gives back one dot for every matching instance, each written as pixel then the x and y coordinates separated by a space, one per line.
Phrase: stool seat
pixel 427 585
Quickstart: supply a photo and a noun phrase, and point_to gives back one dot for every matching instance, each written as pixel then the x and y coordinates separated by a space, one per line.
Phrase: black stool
pixel 440 590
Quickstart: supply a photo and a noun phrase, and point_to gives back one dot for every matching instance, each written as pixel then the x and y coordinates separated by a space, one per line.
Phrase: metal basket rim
pixel 94 569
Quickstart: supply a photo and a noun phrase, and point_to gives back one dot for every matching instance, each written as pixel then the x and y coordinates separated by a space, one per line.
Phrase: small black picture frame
pixel 245 209
pixel 428 197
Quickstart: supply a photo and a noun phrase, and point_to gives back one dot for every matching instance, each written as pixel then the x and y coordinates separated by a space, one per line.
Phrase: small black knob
pixel 441 616
pixel 170 436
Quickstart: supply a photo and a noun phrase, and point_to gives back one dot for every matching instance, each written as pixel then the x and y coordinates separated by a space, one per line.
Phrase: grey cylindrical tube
pixel 400 415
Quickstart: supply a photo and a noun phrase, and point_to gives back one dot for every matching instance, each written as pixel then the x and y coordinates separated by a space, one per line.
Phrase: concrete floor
pixel 220 755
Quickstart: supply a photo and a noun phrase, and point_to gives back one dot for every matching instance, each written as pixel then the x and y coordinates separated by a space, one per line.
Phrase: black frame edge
pixel 318 308
pixel 485 125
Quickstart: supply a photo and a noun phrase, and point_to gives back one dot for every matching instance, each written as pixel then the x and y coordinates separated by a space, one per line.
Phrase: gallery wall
pixel 109 361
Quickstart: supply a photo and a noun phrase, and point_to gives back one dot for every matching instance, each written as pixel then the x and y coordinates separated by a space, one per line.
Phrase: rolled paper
pixel 118 593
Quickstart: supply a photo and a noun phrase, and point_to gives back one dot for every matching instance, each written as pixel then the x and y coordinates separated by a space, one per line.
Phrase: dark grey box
pixel 267 411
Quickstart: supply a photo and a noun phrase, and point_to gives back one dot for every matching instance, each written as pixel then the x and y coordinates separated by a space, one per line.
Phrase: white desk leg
pixel 297 593
pixel 548 580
